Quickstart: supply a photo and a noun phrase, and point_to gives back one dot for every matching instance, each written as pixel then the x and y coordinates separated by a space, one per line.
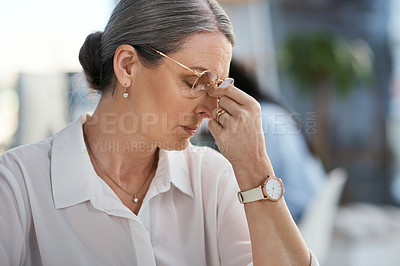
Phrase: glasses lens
pixel 204 83
pixel 226 82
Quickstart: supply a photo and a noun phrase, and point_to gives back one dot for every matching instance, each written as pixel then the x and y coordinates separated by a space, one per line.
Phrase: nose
pixel 205 105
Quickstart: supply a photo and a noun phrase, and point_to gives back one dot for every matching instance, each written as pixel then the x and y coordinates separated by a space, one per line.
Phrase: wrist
pixel 252 174
pixel 272 189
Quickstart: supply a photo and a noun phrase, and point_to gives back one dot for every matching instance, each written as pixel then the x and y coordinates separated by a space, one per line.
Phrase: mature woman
pixel 124 186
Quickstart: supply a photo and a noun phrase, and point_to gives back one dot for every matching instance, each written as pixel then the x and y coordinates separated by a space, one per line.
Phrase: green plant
pixel 321 64
pixel 310 58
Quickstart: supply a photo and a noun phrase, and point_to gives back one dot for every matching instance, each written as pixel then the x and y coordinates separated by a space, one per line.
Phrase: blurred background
pixel 335 63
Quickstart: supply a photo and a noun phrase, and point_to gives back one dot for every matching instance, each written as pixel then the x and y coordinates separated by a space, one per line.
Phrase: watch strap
pixel 253 194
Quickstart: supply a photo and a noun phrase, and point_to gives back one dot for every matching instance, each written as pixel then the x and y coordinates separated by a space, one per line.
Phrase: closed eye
pixel 189 80
pixel 188 84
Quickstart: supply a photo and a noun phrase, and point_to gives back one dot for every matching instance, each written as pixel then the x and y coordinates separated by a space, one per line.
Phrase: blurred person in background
pixel 124 186
pixel 289 150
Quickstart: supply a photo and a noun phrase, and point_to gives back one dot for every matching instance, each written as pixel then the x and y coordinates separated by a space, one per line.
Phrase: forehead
pixel 203 51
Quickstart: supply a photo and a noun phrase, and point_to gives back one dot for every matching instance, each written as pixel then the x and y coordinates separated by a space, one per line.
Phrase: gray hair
pixel 162 24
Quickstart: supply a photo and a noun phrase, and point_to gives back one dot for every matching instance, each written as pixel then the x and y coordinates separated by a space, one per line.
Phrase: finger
pixel 218 112
pixel 232 107
pixel 214 127
pixel 232 92
pixel 222 117
pixel 220 139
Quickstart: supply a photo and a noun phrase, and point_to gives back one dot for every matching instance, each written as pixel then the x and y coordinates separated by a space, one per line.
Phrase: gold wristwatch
pixel 271 189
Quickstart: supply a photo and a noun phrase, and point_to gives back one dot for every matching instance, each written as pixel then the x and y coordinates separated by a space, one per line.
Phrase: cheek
pixel 163 96
pixel 167 103
pixel 169 100
pixel 177 111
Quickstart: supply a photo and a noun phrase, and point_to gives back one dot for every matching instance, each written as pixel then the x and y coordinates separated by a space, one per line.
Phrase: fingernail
pixel 223 85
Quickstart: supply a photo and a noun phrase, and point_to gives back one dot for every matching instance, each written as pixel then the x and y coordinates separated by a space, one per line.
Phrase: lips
pixel 190 130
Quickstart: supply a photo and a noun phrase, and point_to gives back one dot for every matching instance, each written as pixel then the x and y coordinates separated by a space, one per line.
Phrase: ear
pixel 126 62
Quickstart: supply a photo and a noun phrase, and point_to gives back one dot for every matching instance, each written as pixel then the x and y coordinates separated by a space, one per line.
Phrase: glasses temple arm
pixel 182 65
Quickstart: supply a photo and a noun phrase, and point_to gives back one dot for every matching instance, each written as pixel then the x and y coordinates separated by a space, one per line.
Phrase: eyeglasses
pixel 205 80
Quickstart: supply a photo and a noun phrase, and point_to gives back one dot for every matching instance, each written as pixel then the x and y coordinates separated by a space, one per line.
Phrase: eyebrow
pixel 198 68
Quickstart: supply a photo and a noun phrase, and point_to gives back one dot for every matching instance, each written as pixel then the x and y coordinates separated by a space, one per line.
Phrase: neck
pixel 127 158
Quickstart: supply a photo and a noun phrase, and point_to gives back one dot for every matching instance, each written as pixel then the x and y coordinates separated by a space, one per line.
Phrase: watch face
pixel 274 188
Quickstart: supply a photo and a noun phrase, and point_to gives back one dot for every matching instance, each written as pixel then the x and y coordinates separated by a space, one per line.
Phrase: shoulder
pixel 272 112
pixel 21 167
pixel 208 158
pixel 199 163
pixel 277 122
pixel 271 107
pixel 27 156
pixel 35 159
pixel 216 172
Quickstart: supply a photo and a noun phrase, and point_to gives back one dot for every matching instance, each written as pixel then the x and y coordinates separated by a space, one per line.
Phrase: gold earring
pixel 125 94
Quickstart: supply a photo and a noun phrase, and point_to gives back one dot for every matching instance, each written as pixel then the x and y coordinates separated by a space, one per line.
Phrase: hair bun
pixel 90 59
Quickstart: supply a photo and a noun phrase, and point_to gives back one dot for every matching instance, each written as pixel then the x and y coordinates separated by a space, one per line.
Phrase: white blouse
pixel 55 210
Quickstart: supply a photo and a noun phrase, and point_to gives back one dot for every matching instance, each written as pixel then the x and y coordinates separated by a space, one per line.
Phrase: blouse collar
pixel 74 179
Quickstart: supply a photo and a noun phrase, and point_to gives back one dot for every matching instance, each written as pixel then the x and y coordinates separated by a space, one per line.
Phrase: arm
pixel 12 220
pixel 289 154
pixel 275 239
pixel 274 236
